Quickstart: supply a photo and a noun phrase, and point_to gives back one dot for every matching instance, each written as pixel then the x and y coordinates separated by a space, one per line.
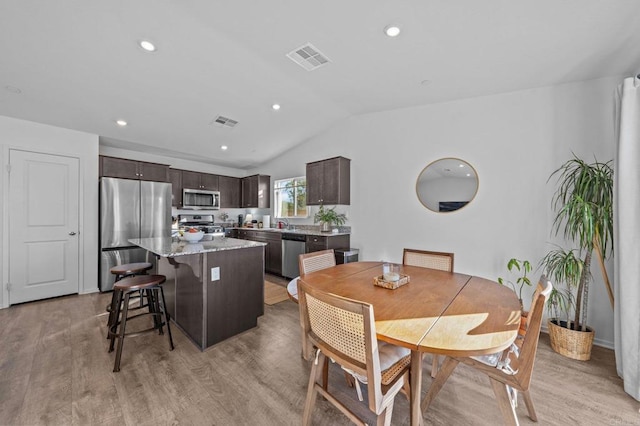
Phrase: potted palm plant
pixel 583 204
pixel 326 217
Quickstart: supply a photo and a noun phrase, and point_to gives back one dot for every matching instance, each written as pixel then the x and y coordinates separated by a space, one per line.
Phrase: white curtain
pixel 627 235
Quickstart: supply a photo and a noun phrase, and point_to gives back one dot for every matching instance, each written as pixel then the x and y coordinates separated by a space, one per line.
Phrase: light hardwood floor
pixel 55 370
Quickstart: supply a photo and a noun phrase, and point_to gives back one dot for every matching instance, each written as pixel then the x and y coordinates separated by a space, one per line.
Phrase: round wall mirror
pixel 447 185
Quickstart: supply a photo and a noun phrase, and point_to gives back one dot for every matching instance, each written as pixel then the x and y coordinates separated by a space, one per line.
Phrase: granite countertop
pixel 295 231
pixel 172 247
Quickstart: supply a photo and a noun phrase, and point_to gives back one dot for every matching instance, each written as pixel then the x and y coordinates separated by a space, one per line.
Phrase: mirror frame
pixel 434 162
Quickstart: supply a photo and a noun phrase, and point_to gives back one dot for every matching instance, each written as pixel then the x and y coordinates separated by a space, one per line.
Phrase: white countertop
pixel 172 247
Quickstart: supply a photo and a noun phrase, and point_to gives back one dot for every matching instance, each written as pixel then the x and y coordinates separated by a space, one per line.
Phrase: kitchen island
pixel 214 288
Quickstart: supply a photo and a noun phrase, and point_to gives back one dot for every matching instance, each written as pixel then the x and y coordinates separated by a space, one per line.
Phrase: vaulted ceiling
pixel 77 64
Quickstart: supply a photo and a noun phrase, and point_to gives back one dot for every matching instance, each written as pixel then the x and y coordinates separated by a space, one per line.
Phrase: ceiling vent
pixel 221 121
pixel 308 57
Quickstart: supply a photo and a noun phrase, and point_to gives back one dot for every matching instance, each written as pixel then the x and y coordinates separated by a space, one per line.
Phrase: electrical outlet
pixel 215 273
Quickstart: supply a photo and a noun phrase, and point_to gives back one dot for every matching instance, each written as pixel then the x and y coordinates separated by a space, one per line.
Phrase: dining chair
pixel 343 330
pixel 434 260
pixel 316 260
pixel 428 259
pixel 509 371
pixel 311 262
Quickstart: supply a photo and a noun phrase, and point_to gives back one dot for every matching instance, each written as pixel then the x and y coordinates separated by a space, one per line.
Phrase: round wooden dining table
pixel 439 312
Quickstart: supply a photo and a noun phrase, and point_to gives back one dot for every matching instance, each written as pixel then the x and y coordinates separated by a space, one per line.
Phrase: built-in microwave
pixel 199 199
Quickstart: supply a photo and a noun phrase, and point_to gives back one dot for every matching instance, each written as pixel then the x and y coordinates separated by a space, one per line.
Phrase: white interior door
pixel 43 226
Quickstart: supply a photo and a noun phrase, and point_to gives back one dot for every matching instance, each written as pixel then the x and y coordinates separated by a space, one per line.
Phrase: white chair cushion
pixel 494 360
pixel 390 354
pixel 490 360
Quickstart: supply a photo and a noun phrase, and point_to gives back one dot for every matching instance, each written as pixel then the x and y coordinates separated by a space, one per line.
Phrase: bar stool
pixel 127 269
pixel 122 291
pixel 123 271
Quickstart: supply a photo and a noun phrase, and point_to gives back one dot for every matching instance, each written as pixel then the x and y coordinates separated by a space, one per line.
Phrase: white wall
pixel 513 140
pixel 32 136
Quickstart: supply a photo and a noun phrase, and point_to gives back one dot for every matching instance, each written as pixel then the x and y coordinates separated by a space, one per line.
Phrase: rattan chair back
pixel 315 261
pixel 344 330
pixel 428 259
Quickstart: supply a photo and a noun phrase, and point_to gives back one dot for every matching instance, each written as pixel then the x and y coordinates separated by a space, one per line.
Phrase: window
pixel 291 197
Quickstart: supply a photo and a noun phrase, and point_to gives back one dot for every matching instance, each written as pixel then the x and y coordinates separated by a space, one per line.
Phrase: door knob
pixel 72 233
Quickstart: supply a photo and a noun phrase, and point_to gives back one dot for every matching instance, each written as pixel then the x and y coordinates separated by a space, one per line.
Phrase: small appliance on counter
pixel 240 220
pixel 266 221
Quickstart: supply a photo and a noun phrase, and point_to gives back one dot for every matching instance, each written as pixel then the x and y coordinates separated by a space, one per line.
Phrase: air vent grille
pixel 221 121
pixel 308 57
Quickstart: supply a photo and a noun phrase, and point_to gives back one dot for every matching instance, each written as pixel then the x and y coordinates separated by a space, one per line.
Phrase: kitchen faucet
pixel 285 221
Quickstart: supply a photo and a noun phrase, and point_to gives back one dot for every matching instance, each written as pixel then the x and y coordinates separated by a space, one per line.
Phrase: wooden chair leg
pixel 384 419
pixel 314 379
pixel 407 389
pixel 434 366
pixel 504 402
pixel 325 373
pixel 349 379
pixel 447 367
pixel 529 403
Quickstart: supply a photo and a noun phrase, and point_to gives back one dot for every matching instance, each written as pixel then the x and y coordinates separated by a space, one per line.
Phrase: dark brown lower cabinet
pixel 273 250
pixel 318 242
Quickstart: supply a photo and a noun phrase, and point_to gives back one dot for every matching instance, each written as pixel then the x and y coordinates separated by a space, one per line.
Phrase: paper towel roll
pixel 266 221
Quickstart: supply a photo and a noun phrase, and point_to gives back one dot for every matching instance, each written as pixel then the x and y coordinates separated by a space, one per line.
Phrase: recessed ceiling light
pixel 121 123
pixel 468 174
pixel 392 30
pixel 461 165
pixel 148 46
pixel 13 89
pixel 224 147
pixel 275 107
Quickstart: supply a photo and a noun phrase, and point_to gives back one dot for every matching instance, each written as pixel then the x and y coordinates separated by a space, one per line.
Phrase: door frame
pixel 4 180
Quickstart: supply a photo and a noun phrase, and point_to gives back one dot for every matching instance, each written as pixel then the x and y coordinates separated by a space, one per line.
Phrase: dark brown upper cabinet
pixel 175 177
pixel 230 192
pixel 196 180
pixel 256 191
pixel 328 181
pixel 131 169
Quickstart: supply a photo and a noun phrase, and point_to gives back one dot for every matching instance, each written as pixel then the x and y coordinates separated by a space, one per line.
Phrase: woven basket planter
pixel 570 343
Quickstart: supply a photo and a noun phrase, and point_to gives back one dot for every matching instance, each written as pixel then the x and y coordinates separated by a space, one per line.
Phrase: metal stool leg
pixel 166 317
pixel 112 311
pixel 152 301
pixel 121 333
pixel 113 327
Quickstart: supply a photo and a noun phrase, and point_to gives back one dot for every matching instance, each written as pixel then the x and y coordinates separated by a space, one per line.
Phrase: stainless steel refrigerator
pixel 130 209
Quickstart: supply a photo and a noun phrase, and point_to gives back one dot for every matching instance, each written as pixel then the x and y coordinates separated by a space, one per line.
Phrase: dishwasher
pixel 293 245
